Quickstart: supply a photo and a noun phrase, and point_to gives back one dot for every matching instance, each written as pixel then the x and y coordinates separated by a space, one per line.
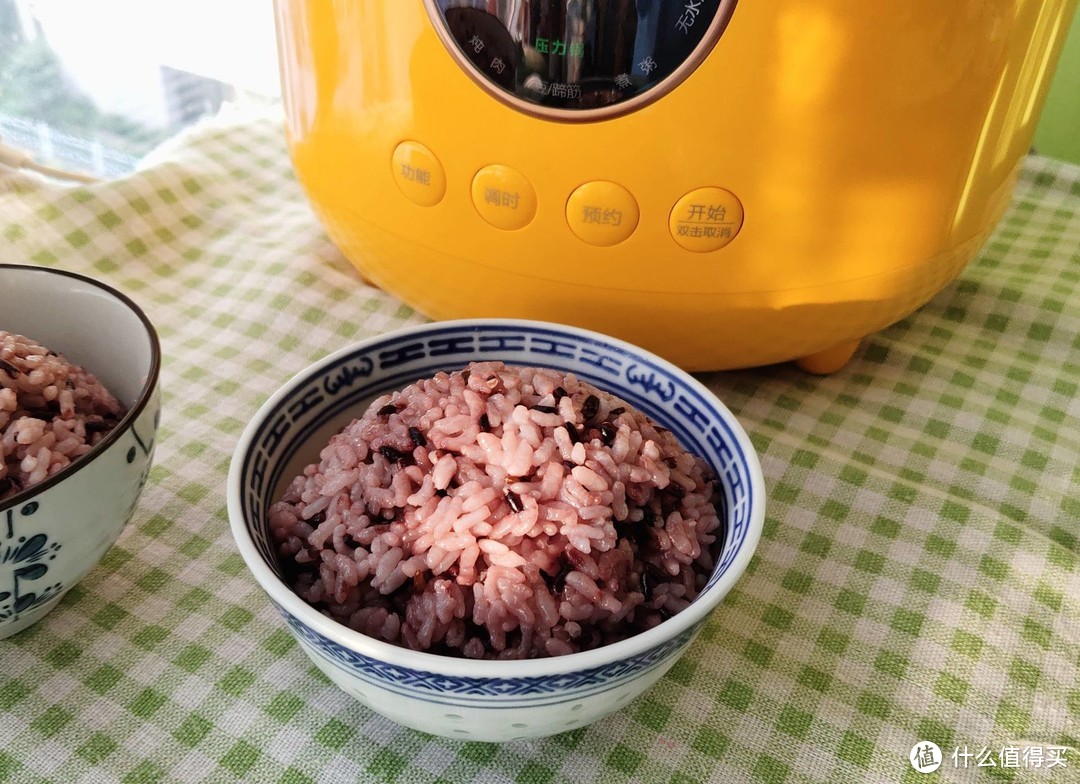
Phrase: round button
pixel 503 197
pixel 602 213
pixel 419 174
pixel 706 219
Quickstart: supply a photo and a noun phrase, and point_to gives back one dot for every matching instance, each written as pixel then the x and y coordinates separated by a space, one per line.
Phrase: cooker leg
pixel 830 360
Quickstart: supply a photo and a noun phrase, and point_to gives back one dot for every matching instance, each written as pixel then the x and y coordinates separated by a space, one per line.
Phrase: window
pixel 93 86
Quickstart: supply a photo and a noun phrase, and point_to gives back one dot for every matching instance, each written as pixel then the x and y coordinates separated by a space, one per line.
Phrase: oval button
pixel 419 174
pixel 602 213
pixel 706 219
pixel 503 197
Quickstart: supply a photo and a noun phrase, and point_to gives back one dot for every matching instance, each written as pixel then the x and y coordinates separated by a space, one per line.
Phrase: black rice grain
pixel 391 454
pixel 590 407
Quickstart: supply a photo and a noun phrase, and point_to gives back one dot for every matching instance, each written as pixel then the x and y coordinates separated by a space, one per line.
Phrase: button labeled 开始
pixel 706 219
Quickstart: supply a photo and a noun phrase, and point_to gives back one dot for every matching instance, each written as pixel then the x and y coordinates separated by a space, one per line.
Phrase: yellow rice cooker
pixel 729 183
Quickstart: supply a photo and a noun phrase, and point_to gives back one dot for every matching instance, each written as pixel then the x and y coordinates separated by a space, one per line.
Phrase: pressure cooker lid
pixel 579 59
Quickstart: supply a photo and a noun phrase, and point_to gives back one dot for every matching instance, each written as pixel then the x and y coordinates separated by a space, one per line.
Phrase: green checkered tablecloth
pixel 917 580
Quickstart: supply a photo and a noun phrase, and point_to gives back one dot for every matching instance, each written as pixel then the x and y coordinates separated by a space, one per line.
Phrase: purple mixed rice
pixel 51 413
pixel 499 512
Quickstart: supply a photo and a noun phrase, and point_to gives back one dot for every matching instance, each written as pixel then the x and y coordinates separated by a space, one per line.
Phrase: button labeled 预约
pixel 602 213
pixel 419 174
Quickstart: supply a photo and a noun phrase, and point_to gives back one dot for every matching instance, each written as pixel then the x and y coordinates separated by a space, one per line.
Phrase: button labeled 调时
pixel 504 197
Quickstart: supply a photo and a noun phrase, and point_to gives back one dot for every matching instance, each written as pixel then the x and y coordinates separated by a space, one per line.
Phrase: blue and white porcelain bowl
pixel 463 698
pixel 53 533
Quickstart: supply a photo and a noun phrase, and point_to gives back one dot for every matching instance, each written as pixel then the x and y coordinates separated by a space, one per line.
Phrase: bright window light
pixel 91 87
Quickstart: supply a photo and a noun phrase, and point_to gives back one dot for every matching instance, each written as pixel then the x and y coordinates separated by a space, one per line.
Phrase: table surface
pixel 917 579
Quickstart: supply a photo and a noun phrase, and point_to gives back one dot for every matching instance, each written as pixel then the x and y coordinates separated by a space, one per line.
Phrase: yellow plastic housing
pixel 870 147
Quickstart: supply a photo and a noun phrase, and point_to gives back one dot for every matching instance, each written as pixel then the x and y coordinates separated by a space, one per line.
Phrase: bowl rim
pixel 134 410
pixel 291 604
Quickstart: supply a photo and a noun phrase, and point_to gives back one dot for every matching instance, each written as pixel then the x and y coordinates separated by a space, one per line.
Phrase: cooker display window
pixel 579 59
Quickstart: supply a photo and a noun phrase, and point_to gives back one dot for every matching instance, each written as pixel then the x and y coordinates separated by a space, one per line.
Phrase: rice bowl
pixel 452 695
pixel 79 422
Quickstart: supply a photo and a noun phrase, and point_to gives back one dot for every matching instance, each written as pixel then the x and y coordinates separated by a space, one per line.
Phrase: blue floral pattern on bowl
pixel 29 553
pixel 539 689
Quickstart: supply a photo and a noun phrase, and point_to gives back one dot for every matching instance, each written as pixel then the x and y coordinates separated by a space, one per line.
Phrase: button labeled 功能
pixel 418 174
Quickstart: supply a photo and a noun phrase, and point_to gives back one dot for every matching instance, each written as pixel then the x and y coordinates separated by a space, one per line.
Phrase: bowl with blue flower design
pixel 56 527
pixel 492 698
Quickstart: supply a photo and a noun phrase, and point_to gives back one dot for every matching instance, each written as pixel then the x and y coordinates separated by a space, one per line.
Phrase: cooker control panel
pixel 600 213
pixel 579 59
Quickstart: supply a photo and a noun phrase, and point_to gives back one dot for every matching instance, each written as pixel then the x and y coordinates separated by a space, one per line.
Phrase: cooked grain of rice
pixel 51 413
pixel 499 512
